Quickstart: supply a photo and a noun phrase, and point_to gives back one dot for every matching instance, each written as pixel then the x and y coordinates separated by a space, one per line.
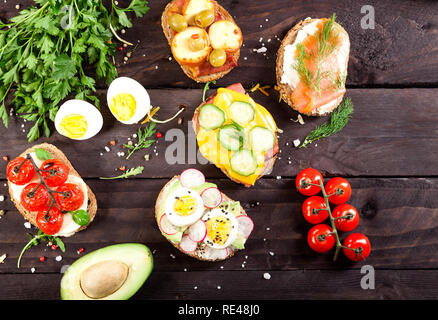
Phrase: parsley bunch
pixel 43 51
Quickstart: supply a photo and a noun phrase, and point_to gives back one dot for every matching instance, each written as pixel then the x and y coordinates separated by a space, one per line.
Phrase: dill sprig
pixel 336 123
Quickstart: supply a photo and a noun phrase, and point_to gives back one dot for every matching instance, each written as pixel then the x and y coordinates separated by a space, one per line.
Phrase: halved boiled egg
pixel 78 120
pixel 184 207
pixel 222 228
pixel 128 100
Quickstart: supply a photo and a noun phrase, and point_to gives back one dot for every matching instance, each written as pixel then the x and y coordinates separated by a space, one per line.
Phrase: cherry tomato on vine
pixel 339 189
pixel 50 222
pixel 69 196
pixel 320 238
pixel 54 172
pixel 311 209
pixel 20 171
pixel 357 247
pixel 306 176
pixel 346 217
pixel 34 197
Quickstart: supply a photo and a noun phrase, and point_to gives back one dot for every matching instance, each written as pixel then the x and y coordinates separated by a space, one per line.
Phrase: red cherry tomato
pixel 20 171
pixel 346 217
pixel 311 212
pixel 54 172
pixel 358 247
pixel 306 176
pixel 34 197
pixel 69 196
pixel 320 238
pixel 339 189
pixel 50 222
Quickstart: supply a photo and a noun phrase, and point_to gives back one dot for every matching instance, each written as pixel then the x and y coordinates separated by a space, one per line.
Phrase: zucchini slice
pixel 241 112
pixel 211 117
pixel 244 162
pixel 230 137
pixel 261 139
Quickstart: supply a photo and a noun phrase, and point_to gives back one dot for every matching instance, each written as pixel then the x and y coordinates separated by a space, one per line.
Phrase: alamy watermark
pixel 368 281
pixel 368 20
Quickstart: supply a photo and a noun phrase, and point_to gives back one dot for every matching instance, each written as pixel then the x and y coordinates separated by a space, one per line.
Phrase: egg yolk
pixel 123 106
pixel 73 126
pixel 218 229
pixel 185 205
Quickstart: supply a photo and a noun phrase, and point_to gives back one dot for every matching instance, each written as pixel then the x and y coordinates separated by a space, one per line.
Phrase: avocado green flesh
pixel 177 236
pixel 135 255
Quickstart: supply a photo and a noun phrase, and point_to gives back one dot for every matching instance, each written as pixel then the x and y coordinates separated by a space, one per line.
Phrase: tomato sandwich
pixel 203 36
pixel 49 192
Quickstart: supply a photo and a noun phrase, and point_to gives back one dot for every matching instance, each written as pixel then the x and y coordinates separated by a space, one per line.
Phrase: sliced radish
pixel 167 227
pixel 191 178
pixel 245 225
pixel 197 231
pixel 188 245
pixel 212 197
pixel 216 254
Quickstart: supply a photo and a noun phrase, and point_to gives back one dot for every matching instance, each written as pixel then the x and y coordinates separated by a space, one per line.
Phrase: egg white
pixel 234 227
pixel 175 218
pixel 91 114
pixel 134 88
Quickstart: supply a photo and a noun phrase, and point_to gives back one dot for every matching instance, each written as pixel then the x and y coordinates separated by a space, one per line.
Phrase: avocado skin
pixel 136 255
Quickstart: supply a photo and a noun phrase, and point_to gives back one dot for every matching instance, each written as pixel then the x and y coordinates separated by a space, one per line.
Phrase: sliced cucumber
pixel 241 112
pixel 230 137
pixel 243 162
pixel 261 139
pixel 211 117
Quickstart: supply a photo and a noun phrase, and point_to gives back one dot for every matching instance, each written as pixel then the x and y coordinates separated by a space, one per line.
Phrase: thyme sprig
pixel 144 139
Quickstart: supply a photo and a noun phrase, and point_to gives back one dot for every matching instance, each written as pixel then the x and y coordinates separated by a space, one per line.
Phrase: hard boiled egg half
pixel 184 207
pixel 78 120
pixel 128 100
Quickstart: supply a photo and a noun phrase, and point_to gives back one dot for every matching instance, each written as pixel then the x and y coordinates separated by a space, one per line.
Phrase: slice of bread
pixel 160 202
pixel 270 155
pixel 285 89
pixel 168 32
pixel 56 154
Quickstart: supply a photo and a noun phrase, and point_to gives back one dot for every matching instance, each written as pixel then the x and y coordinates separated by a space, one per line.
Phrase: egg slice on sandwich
pixel 184 207
pixel 222 228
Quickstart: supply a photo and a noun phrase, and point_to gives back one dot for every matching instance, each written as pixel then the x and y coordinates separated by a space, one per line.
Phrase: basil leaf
pixel 60 244
pixel 42 154
pixel 81 217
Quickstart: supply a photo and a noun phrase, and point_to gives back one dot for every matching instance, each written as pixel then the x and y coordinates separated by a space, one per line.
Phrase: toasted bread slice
pixel 285 89
pixel 168 32
pixel 58 154
pixel 160 202
pixel 270 155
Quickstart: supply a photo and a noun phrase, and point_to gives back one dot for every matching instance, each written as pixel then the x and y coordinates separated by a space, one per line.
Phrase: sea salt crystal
pixel 267 276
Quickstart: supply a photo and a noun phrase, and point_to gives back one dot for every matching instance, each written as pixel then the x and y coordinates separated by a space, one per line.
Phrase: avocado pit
pixel 103 278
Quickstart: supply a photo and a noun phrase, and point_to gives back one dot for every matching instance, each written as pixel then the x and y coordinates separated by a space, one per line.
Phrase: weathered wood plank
pixel 400 216
pixel 401 50
pixel 293 284
pixel 392 131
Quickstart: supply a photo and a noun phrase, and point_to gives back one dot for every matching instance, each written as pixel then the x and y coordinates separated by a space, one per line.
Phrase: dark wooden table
pixel 388 151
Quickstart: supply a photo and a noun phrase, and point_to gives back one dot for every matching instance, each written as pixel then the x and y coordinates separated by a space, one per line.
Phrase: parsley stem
pixel 27 246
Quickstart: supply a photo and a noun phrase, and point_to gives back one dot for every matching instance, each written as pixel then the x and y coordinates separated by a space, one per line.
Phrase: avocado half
pixel 115 272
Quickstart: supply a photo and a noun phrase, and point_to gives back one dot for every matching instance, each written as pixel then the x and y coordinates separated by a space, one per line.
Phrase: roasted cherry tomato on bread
pixel 54 172
pixel 346 217
pixel 305 177
pixel 20 171
pixel 338 190
pixel 50 221
pixel 69 196
pixel 357 247
pixel 34 197
pixel 311 209
pixel 320 238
